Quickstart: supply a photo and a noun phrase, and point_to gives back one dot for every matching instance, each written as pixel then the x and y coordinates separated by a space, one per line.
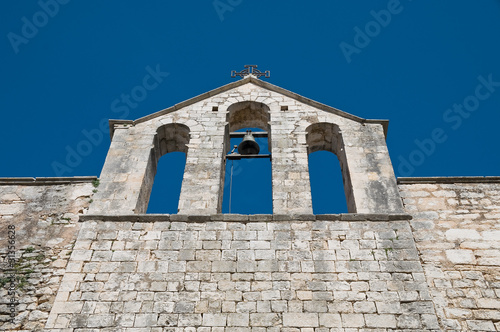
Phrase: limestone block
pixel 480 325
pixel 380 321
pixel 461 256
pixel 488 303
pixel 146 320
pixel 364 307
pixel 409 322
pixel 491 235
pixel 190 320
pixel 301 319
pixel 353 320
pixel 214 319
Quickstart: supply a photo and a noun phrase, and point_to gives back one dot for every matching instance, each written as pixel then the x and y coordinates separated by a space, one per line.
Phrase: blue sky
pixel 432 68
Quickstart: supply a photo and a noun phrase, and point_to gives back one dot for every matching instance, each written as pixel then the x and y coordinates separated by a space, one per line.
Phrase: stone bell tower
pixel 201 127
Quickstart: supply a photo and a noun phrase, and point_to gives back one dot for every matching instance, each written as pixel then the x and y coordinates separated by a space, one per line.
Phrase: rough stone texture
pixel 38 272
pixel 45 214
pixel 457 231
pixel 224 275
pixel 201 127
pixel 292 271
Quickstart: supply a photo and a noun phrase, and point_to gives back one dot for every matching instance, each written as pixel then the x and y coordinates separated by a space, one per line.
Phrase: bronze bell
pixel 248 145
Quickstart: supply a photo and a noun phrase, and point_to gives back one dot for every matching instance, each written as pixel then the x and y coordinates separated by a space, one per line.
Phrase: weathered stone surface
pixel 44 216
pixel 379 269
pixel 301 319
pixel 269 276
pixel 458 245
pixel 461 256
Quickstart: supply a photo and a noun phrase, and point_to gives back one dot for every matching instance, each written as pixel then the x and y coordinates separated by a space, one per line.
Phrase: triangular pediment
pixel 265 85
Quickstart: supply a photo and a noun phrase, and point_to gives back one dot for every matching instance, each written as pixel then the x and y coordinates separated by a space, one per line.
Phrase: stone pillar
pixel 202 176
pixel 290 168
pixel 128 171
pixel 374 187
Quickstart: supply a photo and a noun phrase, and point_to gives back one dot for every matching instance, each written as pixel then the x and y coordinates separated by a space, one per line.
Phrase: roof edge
pixel 269 86
pixel 195 99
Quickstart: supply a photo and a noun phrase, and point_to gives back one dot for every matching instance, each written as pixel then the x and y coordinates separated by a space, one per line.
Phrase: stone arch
pixel 328 137
pixel 247 114
pixel 244 114
pixel 172 137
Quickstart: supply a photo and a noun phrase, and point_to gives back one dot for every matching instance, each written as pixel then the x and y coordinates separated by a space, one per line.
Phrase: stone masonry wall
pixel 45 214
pixel 243 273
pixel 438 271
pixel 457 232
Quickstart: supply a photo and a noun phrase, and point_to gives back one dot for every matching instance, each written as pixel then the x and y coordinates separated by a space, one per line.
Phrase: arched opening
pixel 166 190
pixel 167 162
pixel 249 189
pixel 324 170
pixel 247 182
pixel 327 189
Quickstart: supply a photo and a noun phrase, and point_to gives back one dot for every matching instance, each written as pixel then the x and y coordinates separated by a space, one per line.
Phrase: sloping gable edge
pixel 256 81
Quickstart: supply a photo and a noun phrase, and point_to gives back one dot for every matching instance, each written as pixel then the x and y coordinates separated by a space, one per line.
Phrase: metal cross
pixel 251 70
